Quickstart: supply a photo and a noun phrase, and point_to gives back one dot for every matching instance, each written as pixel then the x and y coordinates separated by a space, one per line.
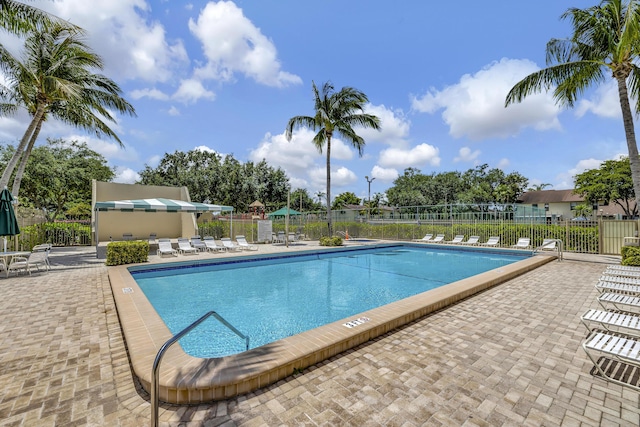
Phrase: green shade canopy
pixel 159 205
pixel 283 212
pixel 8 221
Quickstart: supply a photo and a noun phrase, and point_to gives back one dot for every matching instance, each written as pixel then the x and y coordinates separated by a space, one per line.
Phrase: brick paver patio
pixel 509 356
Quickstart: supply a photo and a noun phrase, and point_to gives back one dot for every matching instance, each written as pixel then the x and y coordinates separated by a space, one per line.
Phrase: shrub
pixel 331 241
pixel 119 253
pixel 629 251
pixel 632 260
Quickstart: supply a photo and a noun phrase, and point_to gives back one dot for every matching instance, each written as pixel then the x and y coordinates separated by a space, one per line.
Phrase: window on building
pixel 572 205
pixel 535 205
pixel 546 207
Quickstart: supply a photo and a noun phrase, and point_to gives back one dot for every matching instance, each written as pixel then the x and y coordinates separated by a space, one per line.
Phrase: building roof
pixel 550 196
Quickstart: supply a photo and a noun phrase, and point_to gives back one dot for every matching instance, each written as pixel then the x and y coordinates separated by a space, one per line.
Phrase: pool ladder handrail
pixel 155 373
pixel 559 248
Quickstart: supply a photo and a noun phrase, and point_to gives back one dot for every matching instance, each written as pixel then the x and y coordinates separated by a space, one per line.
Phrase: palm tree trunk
pixel 23 161
pixel 632 146
pixel 329 221
pixel 6 175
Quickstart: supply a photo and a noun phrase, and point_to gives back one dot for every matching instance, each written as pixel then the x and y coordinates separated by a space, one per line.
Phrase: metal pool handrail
pixel 156 363
pixel 559 248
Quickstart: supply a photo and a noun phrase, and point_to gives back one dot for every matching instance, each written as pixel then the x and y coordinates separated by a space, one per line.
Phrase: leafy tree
pixel 611 183
pixel 409 189
pixel 226 181
pixel 344 199
pixel 319 195
pixel 335 112
pixel 58 176
pixel 605 40
pixel 302 201
pixel 56 78
pixel 484 186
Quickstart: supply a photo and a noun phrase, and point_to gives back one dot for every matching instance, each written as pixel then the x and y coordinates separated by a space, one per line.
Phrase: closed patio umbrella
pixel 8 221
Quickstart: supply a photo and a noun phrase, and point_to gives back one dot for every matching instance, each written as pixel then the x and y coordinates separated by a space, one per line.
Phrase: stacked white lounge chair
pixel 613 339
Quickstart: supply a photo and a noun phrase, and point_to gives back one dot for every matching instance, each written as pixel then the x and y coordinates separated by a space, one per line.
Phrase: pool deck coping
pixel 185 379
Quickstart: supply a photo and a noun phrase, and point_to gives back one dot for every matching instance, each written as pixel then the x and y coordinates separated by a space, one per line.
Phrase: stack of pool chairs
pixel 613 341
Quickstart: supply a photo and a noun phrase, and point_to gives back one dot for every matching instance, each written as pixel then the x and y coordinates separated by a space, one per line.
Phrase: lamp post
pixel 369 181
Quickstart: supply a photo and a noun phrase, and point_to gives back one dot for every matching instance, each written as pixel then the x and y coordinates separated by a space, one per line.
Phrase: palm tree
pixel 19 18
pixel 539 187
pixel 606 39
pixel 336 112
pixel 56 78
pixel 319 196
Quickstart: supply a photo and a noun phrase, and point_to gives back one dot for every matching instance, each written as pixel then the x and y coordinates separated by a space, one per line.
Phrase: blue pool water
pixel 283 296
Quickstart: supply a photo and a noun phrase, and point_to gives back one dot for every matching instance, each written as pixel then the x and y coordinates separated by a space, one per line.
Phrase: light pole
pixel 369 181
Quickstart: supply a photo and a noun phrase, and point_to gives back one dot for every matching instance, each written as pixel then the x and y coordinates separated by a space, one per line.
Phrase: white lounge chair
pixel 242 242
pixel 493 241
pixel 620 279
pixel 198 244
pixel 164 247
pixel 46 248
pixel 616 299
pixel 456 240
pixel 614 346
pixel 184 247
pixel 548 245
pixel 522 243
pixel 613 270
pixel 615 321
pixel 226 241
pixel 35 259
pixel 212 246
pixel 473 240
pixel 627 288
pixel 426 238
pixel 438 239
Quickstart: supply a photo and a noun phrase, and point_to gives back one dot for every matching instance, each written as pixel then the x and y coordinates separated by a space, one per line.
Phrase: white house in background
pixel 560 205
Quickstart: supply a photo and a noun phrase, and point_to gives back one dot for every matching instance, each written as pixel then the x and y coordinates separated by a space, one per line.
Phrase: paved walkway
pixel 509 356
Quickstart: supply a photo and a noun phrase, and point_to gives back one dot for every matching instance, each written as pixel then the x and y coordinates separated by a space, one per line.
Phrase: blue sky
pixel 227 76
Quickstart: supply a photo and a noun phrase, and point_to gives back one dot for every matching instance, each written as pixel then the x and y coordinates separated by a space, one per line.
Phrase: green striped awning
pixel 159 205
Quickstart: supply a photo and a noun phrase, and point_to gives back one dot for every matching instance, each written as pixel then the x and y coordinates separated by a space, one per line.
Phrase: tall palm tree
pixel 539 187
pixel 336 112
pixel 605 41
pixel 19 18
pixel 56 78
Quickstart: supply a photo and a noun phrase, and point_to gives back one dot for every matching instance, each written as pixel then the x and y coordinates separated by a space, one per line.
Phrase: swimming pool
pixel 185 379
pixel 272 299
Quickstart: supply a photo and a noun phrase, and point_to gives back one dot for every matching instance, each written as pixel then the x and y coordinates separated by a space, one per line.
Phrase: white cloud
pixel 295 157
pixel 132 46
pixel 503 163
pixel 204 148
pixel 565 180
pixel 341 177
pixel 126 175
pixel 604 103
pixel 384 174
pixel 173 111
pixel 232 44
pixel 151 93
pixel 108 149
pixel 474 107
pixel 466 155
pixel 192 90
pixel 394 127
pixel 419 155
pixel 154 160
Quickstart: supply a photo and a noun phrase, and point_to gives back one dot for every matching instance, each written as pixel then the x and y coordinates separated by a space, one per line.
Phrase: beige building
pixel 113 224
pixel 560 205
